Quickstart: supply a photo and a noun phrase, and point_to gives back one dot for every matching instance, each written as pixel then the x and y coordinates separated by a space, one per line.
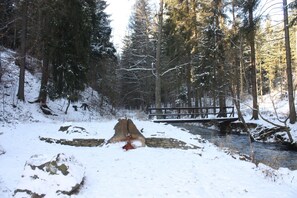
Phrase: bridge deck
pixel 196 120
pixel 192 114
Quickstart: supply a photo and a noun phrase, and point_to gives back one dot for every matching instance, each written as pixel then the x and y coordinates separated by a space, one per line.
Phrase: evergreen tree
pixel 45 13
pixel 212 67
pixel 158 89
pixel 23 7
pixel 180 30
pixel 7 21
pixel 138 58
pixel 248 8
pixel 87 44
pixel 70 47
pixel 70 38
pixel 101 75
pixel 270 58
pixel 233 51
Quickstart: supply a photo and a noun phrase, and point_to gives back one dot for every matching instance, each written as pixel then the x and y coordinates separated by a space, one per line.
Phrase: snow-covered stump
pixel 125 130
pixel 58 176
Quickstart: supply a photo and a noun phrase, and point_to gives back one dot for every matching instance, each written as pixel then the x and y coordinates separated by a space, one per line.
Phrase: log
pixel 268 132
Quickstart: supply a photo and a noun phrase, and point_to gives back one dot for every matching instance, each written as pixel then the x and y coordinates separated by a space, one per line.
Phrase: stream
pixel 272 154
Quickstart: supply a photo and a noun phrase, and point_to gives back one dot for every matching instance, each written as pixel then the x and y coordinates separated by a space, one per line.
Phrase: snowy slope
pixel 273 107
pixel 14 111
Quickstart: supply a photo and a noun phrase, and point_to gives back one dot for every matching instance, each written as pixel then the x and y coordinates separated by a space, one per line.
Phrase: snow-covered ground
pixel 109 171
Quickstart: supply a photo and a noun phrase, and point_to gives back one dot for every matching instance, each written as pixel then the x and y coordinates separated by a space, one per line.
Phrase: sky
pixel 273 8
pixel 120 11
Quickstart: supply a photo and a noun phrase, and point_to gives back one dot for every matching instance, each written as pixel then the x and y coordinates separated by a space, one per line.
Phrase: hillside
pixel 14 111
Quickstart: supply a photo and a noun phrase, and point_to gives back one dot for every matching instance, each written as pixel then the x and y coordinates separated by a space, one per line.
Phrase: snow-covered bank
pixel 144 172
pixel 274 107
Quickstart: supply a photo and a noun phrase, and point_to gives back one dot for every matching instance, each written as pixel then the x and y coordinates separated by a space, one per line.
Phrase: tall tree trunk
pixel 253 62
pixel 1 72
pixel 21 89
pixel 289 65
pixel 222 91
pixel 235 46
pixel 220 63
pixel 44 28
pixel 244 84
pixel 158 59
pixel 189 86
pixel 44 78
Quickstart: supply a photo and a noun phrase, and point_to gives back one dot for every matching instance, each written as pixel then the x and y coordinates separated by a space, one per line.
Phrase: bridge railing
pixel 189 112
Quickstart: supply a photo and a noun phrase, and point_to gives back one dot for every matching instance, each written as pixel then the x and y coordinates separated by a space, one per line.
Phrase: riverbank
pixel 272 154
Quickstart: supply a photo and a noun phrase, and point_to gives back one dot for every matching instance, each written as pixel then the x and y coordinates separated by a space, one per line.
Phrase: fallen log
pixel 264 133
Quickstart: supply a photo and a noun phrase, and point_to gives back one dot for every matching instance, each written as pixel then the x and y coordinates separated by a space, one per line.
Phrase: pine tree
pixel 180 32
pixel 158 91
pixel 211 71
pixel 248 7
pixel 70 38
pixel 69 47
pixel 138 57
pixel 101 75
pixel 7 23
pixel 234 49
pixel 23 52
pixel 43 18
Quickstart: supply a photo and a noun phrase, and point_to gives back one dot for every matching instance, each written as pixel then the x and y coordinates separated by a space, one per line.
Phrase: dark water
pixel 272 154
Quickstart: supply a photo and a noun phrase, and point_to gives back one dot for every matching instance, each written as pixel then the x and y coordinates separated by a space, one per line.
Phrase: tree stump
pixel 126 128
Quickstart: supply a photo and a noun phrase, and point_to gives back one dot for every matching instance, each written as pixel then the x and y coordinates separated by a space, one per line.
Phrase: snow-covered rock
pixel 44 176
pixel 69 129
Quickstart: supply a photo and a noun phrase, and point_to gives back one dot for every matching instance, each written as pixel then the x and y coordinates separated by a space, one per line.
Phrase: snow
pixel 110 171
pixel 47 179
pixel 142 172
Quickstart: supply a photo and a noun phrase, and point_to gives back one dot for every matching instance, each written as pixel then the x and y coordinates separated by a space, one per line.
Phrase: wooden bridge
pixel 192 114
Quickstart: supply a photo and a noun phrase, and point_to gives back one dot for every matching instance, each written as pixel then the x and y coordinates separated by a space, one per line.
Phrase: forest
pixel 76 110
pixel 185 53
